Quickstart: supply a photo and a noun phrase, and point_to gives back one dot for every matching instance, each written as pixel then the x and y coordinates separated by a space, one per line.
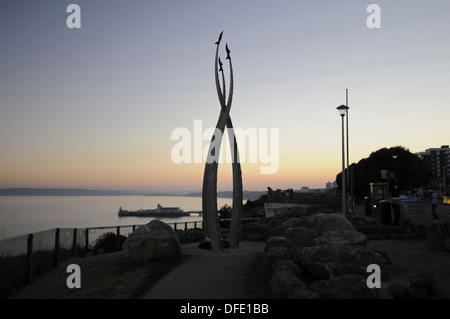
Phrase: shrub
pixel 225 212
pixel 108 242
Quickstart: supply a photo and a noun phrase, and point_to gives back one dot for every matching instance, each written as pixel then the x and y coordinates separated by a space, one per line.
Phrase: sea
pixel 20 215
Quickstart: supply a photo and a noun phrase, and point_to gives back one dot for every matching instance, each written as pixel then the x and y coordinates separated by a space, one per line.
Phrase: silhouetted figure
pixel 220 38
pixel 433 207
pixel 269 194
pixel 228 51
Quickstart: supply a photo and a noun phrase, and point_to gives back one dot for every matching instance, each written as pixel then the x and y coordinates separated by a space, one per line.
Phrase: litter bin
pixel 386 212
pixel 412 209
pixel 367 207
pixel 395 213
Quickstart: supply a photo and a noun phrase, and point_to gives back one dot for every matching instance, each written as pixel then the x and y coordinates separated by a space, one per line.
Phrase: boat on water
pixel 160 211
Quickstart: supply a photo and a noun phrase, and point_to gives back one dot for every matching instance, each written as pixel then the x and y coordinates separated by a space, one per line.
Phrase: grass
pixel 106 276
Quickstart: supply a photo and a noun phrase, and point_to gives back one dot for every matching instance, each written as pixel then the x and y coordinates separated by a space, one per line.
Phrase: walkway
pixel 207 274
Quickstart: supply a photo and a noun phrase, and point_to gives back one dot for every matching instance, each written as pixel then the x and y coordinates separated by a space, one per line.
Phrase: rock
pixel 326 261
pixel 294 222
pixel 276 231
pixel 322 223
pixel 341 237
pixel 254 231
pixel 300 236
pixel 276 254
pixel 285 284
pixel 278 241
pixel 350 286
pixel 205 243
pixel 152 241
pixel 287 265
pixel 298 210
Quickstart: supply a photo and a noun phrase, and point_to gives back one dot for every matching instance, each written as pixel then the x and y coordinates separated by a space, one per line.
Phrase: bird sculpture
pixel 220 38
pixel 228 52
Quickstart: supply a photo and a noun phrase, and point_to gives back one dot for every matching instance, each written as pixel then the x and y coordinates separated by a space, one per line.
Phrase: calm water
pixel 26 214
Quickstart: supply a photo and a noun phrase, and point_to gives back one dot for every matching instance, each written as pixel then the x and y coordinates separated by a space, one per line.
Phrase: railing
pixel 23 257
pixel 26 256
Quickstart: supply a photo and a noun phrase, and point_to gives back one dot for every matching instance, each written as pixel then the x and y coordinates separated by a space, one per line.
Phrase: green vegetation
pixel 225 212
pixel 410 171
pixel 107 243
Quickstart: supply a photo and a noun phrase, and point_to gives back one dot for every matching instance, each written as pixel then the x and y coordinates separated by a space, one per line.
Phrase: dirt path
pixel 235 273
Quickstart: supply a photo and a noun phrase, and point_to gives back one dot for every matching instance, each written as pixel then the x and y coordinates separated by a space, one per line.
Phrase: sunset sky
pixel 95 107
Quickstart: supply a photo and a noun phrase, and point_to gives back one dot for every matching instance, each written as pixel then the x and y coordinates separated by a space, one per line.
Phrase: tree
pixel 225 212
pixel 410 171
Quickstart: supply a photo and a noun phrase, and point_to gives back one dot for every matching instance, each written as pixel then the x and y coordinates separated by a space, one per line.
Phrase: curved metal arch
pixel 209 194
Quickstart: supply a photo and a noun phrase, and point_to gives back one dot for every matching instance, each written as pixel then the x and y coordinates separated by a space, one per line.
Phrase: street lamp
pixel 395 174
pixel 348 198
pixel 342 111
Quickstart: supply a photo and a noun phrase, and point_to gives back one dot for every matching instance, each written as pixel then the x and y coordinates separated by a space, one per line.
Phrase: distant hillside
pixel 62 192
pixel 252 195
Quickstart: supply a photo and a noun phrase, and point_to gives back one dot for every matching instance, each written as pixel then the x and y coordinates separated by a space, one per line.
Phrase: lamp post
pixel 347 193
pixel 342 111
pixel 395 174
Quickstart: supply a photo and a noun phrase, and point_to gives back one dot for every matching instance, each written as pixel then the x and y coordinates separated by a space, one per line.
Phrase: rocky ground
pixel 110 276
pixel 317 253
pixel 417 255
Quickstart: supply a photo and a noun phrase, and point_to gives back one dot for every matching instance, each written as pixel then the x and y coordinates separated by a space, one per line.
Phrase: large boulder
pixel 285 284
pixel 341 237
pixel 294 222
pixel 300 236
pixel 275 254
pixel 322 222
pixel 152 241
pixel 287 265
pixel 327 261
pixel 278 241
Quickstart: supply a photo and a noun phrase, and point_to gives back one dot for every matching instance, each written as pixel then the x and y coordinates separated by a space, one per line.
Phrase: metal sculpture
pixel 209 193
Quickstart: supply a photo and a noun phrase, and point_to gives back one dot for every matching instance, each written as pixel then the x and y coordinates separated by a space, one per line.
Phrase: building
pixel 438 160
pixel 331 185
pixel 305 189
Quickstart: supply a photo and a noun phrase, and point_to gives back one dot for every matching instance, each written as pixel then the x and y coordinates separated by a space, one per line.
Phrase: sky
pixel 97 106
